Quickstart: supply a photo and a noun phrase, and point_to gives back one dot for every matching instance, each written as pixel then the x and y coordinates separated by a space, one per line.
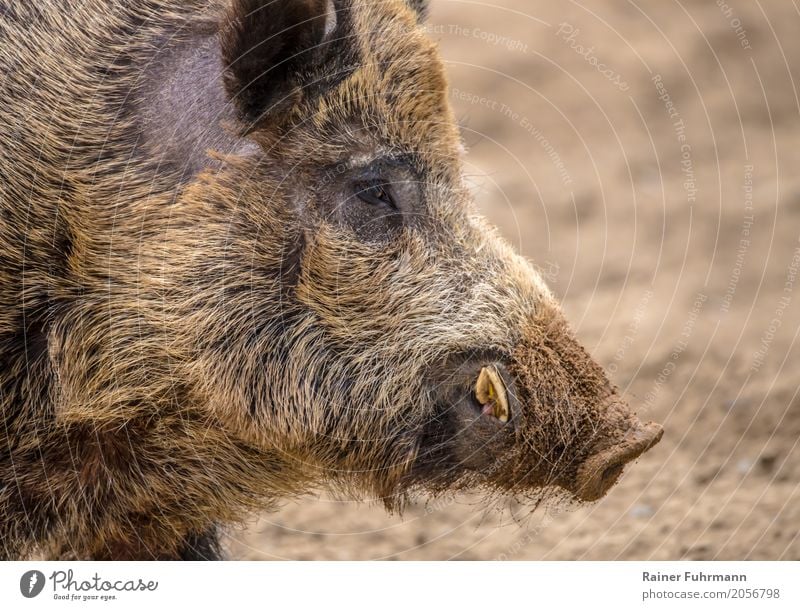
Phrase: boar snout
pixel 519 430
pixel 602 469
pixel 572 431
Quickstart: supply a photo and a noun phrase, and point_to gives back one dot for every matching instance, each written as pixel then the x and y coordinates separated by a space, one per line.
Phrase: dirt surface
pixel 644 155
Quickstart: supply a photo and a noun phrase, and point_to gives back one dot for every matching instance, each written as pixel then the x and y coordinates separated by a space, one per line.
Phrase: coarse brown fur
pixel 197 316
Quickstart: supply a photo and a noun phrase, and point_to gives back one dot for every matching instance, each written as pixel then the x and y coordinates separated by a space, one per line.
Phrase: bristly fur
pixel 421 7
pixel 193 324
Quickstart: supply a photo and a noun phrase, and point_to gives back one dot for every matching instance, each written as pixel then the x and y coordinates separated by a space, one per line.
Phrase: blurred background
pixel 644 155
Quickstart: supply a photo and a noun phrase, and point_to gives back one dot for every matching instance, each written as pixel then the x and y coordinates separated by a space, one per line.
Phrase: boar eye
pixel 375 193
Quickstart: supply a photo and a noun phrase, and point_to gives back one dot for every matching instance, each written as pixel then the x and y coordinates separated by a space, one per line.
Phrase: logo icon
pixel 31 583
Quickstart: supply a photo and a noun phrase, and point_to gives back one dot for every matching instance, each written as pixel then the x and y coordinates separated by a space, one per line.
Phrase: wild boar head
pixel 349 312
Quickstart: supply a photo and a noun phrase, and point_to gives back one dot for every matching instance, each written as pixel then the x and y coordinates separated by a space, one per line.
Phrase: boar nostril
pixel 612 473
pixel 600 471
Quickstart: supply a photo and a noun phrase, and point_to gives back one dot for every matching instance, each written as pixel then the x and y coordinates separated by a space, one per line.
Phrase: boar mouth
pixel 600 471
pixel 490 392
pixel 495 429
pixel 538 421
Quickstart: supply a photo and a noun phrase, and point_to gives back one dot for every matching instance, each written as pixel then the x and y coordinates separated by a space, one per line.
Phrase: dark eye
pixel 375 193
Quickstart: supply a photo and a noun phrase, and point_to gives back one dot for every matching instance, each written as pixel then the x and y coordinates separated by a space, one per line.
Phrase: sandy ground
pixel 669 231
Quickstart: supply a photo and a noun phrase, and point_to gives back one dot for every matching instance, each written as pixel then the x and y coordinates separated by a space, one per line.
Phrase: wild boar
pixel 238 261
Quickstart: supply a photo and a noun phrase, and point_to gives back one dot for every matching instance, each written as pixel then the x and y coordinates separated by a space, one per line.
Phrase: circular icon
pixel 31 583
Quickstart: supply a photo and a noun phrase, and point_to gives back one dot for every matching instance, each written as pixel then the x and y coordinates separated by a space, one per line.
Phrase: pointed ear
pixel 421 6
pixel 266 45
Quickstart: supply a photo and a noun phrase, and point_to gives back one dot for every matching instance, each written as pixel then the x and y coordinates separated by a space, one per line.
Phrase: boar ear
pixel 421 6
pixel 266 45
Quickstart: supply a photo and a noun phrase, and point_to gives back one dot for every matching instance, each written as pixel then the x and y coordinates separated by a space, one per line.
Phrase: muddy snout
pixel 601 470
pixel 544 419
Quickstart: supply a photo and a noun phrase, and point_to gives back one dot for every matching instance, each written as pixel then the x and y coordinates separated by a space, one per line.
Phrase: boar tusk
pixel 490 392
